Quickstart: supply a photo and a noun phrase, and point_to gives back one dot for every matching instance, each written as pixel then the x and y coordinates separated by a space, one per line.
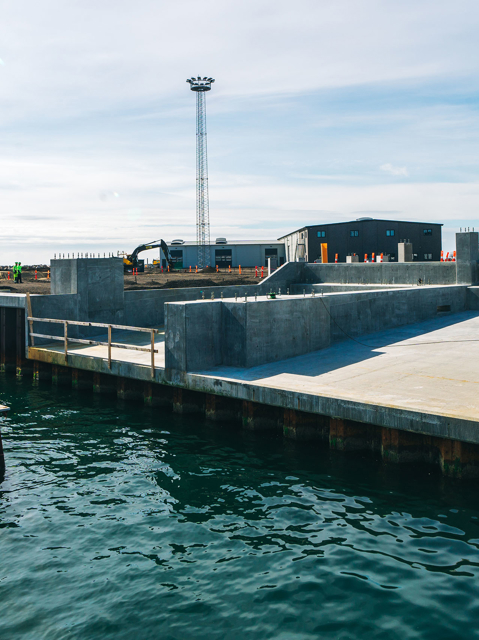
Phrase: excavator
pixel 130 261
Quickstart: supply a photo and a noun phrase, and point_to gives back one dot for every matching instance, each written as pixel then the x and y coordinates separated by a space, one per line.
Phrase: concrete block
pixel 351 259
pixel 261 417
pixel 299 425
pixel 467 246
pixel 98 284
pixel 222 409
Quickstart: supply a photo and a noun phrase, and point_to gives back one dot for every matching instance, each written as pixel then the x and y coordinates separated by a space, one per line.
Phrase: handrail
pixel 117 345
pixel 94 324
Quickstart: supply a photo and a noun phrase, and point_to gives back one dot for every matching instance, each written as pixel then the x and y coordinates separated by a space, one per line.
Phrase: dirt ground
pixel 151 279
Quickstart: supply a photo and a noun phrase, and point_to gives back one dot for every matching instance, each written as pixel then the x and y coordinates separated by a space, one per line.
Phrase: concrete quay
pixel 409 393
pixel 368 356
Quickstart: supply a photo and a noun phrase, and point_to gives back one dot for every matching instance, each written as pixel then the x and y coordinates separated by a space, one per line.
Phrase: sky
pixel 322 111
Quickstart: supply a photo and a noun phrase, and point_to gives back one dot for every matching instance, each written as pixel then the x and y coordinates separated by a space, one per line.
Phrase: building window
pixel 354 234
pixel 389 232
pixel 428 232
pixel 321 234
pixel 428 256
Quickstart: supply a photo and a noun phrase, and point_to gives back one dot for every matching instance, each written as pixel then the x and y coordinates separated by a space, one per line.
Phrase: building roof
pixel 358 221
pixel 228 243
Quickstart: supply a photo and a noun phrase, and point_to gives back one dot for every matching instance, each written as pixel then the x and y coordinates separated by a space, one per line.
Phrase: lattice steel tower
pixel 201 85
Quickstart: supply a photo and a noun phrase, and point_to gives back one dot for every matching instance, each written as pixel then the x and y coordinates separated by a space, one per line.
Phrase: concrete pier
pixel 378 357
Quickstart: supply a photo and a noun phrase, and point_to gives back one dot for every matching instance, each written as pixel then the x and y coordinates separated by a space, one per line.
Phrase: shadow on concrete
pixel 349 352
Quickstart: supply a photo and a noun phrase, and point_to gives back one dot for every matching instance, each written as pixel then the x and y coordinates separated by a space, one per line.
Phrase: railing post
pixel 109 346
pixel 65 326
pixel 152 353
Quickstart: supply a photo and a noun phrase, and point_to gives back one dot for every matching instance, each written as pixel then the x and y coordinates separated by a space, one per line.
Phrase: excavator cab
pixel 131 261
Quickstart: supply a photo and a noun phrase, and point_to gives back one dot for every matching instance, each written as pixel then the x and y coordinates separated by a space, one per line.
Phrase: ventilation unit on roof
pixel 178 241
pixel 221 241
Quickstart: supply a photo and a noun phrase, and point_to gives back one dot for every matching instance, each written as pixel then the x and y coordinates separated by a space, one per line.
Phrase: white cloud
pixel 94 103
pixel 394 171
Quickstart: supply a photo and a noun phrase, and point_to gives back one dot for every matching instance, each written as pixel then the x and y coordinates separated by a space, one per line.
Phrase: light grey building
pixel 247 253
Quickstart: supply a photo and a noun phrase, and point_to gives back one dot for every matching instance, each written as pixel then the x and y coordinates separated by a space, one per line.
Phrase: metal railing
pixel 66 339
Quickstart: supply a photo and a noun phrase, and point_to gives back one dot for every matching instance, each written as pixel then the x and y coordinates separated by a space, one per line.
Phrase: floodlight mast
pixel 200 86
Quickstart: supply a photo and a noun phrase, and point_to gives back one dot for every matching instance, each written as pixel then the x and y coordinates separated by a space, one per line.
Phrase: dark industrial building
pixel 364 236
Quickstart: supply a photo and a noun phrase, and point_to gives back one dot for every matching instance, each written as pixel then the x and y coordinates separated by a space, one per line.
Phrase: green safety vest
pixel 19 268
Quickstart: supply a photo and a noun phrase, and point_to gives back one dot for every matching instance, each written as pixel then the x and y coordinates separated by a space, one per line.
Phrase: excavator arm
pixel 131 260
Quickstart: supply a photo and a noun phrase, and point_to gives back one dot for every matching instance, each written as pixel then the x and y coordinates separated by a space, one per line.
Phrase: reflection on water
pixel 120 521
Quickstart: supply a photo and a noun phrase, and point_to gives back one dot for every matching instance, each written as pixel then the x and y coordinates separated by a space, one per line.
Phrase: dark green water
pixel 120 522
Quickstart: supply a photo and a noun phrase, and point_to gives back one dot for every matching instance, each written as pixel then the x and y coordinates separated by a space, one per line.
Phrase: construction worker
pixel 19 273
pixel 15 267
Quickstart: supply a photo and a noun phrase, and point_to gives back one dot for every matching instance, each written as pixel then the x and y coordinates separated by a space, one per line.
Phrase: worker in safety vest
pixel 15 267
pixel 19 272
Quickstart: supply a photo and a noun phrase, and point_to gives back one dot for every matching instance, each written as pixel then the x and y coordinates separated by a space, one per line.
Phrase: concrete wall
pixel 201 335
pixel 361 313
pixel 382 273
pixel 145 308
pixel 98 283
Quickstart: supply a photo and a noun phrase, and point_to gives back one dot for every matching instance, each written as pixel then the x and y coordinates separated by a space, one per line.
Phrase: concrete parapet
pixel 381 273
pixel 201 335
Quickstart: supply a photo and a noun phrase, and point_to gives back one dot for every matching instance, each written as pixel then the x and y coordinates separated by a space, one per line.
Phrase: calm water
pixel 117 521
